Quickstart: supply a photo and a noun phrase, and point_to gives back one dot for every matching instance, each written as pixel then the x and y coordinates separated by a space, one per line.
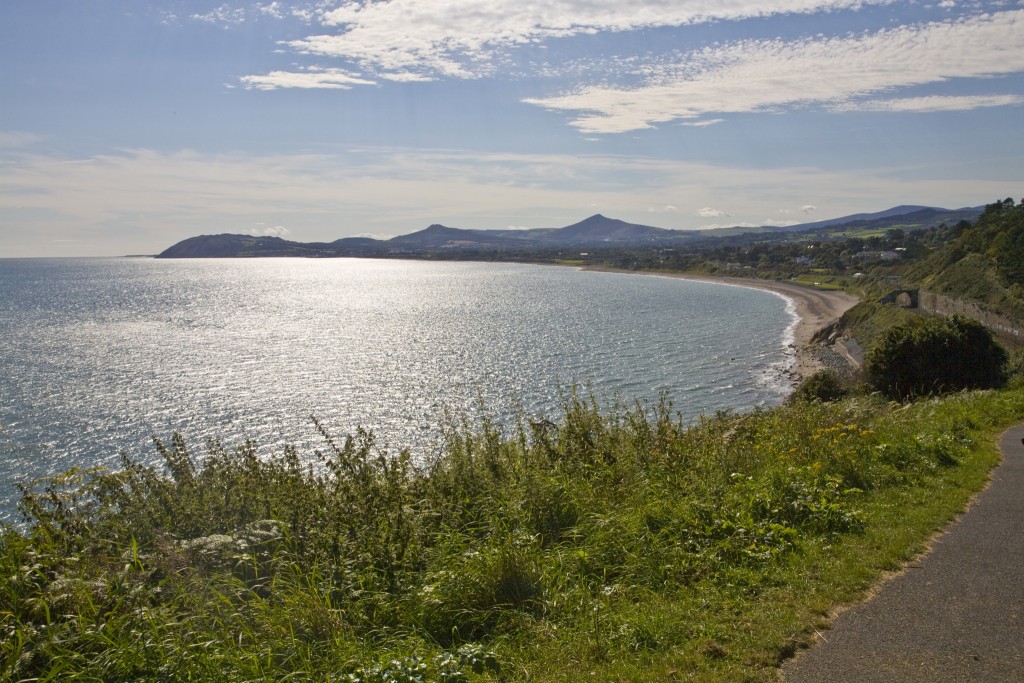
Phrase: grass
pixel 863 233
pixel 821 281
pixel 607 545
pixel 869 320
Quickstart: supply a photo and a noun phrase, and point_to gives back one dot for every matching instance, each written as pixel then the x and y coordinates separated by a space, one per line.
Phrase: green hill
pixel 984 263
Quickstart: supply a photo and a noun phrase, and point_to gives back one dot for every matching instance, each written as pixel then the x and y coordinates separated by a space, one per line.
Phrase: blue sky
pixel 126 126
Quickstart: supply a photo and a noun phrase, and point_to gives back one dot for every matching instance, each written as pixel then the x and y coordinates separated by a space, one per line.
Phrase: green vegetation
pixel 934 355
pixel 983 262
pixel 609 546
pixel 863 233
pixel 823 385
pixel 868 321
pixel 820 281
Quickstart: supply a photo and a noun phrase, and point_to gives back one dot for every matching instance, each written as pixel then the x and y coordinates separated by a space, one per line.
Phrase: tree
pixel 935 355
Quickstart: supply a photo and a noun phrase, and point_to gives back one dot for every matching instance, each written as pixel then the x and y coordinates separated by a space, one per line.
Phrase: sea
pixel 99 356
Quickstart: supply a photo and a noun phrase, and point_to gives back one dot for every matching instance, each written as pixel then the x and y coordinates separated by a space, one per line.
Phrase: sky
pixel 127 126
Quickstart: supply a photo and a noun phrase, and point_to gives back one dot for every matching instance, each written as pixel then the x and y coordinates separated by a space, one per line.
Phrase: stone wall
pixel 1006 329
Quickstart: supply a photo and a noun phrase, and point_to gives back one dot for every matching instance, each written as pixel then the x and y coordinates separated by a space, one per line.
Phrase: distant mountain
pixel 888 213
pixel 599 229
pixel 442 237
pixel 593 232
pixel 249 246
pixel 904 217
pixel 221 246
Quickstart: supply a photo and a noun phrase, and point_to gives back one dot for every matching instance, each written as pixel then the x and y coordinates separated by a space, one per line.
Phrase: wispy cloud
pixel 229 15
pixel 461 39
pixel 263 230
pixel 702 124
pixel 708 212
pixel 335 79
pixel 933 103
pixel 759 75
pixel 225 15
pixel 16 139
pixel 271 9
pixel 407 77
pixel 142 201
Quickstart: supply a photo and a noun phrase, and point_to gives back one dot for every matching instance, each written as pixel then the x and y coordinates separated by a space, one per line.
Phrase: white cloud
pixel 270 231
pixel 933 103
pixel 758 75
pixel 708 212
pixel 16 139
pixel 272 9
pixel 702 124
pixel 377 235
pixel 142 201
pixel 335 79
pixel 406 77
pixel 808 208
pixel 224 15
pixel 667 208
pixel 461 39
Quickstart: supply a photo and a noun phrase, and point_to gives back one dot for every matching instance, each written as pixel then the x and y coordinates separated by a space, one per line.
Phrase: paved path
pixel 957 614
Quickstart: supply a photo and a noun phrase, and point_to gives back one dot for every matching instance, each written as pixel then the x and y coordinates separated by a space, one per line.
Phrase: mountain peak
pixel 599 228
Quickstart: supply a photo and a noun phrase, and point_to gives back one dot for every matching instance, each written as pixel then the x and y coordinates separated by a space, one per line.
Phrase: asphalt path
pixel 955 614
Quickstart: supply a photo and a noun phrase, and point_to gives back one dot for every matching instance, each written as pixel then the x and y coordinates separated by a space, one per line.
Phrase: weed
pixel 624 543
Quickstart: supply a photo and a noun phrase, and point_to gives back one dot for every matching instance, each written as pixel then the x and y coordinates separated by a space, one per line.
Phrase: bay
pixel 97 356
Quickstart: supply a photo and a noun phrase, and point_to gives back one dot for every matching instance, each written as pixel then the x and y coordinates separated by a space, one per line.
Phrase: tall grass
pixel 624 544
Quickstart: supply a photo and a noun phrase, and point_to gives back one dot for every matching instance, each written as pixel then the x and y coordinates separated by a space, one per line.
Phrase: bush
pixel 935 355
pixel 1015 370
pixel 823 385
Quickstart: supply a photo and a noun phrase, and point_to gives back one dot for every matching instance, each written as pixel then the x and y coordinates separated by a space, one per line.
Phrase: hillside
pixel 983 263
pixel 249 246
pixel 442 237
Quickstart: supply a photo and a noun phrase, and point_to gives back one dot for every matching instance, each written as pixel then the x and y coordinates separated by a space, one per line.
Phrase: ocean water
pixel 97 356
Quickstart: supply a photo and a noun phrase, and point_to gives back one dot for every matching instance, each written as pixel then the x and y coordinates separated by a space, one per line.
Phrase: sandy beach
pixel 816 308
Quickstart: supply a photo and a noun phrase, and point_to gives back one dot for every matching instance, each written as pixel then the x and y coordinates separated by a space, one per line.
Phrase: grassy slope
pixel 868 320
pixel 984 264
pixel 621 547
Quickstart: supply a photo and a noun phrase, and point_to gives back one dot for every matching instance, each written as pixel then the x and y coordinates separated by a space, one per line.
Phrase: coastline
pixel 815 308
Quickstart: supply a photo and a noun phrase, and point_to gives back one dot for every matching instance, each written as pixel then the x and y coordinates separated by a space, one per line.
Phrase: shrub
pixel 1015 370
pixel 935 355
pixel 823 385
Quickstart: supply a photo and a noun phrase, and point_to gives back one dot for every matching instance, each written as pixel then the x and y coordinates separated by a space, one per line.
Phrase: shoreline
pixel 815 308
